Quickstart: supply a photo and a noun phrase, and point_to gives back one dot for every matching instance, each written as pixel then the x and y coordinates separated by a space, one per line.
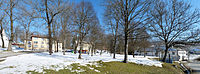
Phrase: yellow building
pixel 41 43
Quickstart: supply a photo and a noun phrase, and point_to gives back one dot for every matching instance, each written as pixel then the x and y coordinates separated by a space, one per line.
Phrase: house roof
pixel 38 36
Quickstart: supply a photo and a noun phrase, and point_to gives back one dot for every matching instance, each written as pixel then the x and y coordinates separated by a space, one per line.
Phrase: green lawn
pixel 117 68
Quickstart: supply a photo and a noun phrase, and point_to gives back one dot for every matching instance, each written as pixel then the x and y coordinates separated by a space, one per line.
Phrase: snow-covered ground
pixel 39 61
pixel 193 57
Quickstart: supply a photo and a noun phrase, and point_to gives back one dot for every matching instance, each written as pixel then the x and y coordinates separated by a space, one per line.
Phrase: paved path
pixel 194 65
pixel 10 53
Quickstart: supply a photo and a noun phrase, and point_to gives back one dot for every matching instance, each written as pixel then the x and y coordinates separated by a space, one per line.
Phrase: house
pixel 41 43
pixel 178 54
pixel 5 39
pixel 85 46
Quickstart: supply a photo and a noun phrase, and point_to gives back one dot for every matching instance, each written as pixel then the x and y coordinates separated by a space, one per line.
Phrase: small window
pixel 29 42
pixel 173 53
pixel 42 42
pixel 35 42
pixel 35 46
pixel 42 46
pixel 29 45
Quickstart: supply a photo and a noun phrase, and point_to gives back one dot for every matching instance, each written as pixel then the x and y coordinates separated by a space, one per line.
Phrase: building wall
pixel 38 43
pixel 84 46
pixel 6 40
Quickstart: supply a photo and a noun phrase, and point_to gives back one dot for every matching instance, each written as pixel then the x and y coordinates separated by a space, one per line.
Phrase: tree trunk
pixel 64 47
pixel 80 51
pixel 92 50
pixel 133 53
pixel 3 45
pixel 114 49
pixel 76 45
pixel 57 47
pixel 10 45
pixel 26 43
pixel 165 54
pixel 50 41
pixel 115 40
pixel 49 27
pixel 89 51
pixel 126 33
pixel 101 52
pixel 144 52
pixel 11 24
pixel 126 48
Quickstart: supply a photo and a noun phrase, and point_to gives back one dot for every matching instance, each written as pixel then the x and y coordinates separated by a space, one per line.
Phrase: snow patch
pixel 39 61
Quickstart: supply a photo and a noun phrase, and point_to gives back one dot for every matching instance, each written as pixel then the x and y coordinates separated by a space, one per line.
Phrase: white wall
pixel 6 39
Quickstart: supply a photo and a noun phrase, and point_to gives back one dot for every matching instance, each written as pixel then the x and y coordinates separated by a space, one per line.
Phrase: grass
pixel 116 68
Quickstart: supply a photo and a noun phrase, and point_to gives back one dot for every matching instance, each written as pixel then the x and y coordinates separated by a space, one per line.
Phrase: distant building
pixel 5 38
pixel 85 46
pixel 41 43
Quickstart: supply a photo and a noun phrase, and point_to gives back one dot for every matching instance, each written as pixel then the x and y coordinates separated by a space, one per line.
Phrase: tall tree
pixel 48 10
pixel 112 19
pixel 9 10
pixel 173 21
pixel 26 17
pixel 129 11
pixel 95 36
pixel 1 31
pixel 84 17
pixel 1 25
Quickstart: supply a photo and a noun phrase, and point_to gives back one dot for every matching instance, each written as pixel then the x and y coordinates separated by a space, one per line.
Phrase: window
pixel 35 46
pixel 29 45
pixel 173 53
pixel 29 42
pixel 42 46
pixel 35 42
pixel 35 38
pixel 42 42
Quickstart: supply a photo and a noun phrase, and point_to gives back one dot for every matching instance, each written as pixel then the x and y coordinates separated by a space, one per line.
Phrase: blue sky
pixel 99 8
pixel 195 3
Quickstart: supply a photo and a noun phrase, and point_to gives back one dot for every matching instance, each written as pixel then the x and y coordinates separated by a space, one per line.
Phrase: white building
pixel 5 38
pixel 41 43
pixel 84 46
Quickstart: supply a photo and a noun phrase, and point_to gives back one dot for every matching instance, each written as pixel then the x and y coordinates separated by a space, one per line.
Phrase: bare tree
pixel 26 17
pixel 84 17
pixel 112 20
pixel 129 11
pixel 9 10
pixel 95 36
pixel 48 10
pixel 138 39
pixel 1 25
pixel 173 21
